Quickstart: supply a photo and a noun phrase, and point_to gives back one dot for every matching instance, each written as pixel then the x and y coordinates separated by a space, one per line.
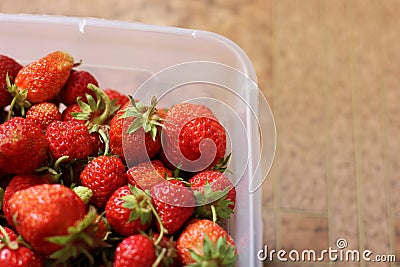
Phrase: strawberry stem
pixel 214 213
pixel 159 258
pixel 162 229
pixel 107 104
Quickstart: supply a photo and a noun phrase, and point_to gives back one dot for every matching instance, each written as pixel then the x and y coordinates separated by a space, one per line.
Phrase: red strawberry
pixel 45 77
pixel 192 138
pixel 147 174
pixel 13 254
pixel 44 211
pixel 77 86
pixel 174 204
pixel 69 138
pixel 11 67
pixel 66 115
pixel 43 114
pixel 103 175
pixel 135 251
pixel 118 98
pixel 23 146
pixel 204 243
pixel 128 211
pixel 213 188
pixel 133 133
pixel 16 184
pixel 95 114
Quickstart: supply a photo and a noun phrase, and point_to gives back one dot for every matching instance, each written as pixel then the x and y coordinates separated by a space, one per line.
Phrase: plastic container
pixel 124 55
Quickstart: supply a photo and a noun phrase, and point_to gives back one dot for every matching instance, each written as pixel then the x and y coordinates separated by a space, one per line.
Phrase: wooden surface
pixel 330 71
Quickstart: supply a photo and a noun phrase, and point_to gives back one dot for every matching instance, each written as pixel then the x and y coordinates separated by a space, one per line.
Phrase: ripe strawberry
pixel 213 189
pixel 44 211
pixel 13 254
pixel 135 251
pixel 103 175
pixel 43 114
pixel 10 67
pixel 118 98
pixel 133 133
pixel 205 243
pixel 69 138
pixel 95 114
pixel 128 210
pixel 192 138
pixel 45 77
pixel 77 86
pixel 174 204
pixel 23 146
pixel 17 183
pixel 147 174
pixel 67 115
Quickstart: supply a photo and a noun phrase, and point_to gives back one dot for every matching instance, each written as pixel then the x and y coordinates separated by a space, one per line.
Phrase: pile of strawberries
pixel 93 177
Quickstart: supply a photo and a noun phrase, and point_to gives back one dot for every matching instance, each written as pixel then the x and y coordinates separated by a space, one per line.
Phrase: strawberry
pixel 43 114
pixel 135 251
pixel 95 114
pixel 103 175
pixel 17 183
pixel 23 146
pixel 44 211
pixel 192 138
pixel 147 174
pixel 44 78
pixel 76 86
pixel 97 143
pixel 13 254
pixel 205 243
pixel 174 204
pixel 133 133
pixel 116 97
pixel 213 190
pixel 128 210
pixel 69 138
pixel 10 67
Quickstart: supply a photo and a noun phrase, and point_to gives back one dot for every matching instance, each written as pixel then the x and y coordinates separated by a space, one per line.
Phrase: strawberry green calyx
pixel 212 204
pixel 222 165
pixel 81 239
pixel 55 172
pixel 139 203
pixel 142 207
pixel 214 255
pixel 95 113
pixel 146 117
pixel 19 99
pixel 84 193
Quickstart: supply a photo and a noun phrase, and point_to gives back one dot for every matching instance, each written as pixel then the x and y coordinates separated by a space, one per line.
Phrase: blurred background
pixel 330 71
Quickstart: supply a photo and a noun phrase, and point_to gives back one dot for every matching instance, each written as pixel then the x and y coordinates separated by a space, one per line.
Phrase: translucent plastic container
pixel 124 55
